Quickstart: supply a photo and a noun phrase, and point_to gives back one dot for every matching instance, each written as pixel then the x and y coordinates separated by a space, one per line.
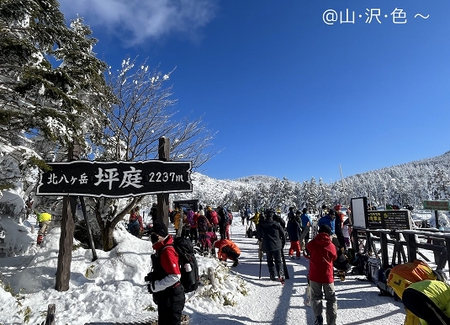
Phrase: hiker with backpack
pixel 321 275
pixel 164 279
pixel 208 242
pixel 227 250
pixel 135 224
pixel 224 222
pixel 44 219
pixel 294 232
pixel 192 218
pixel 203 226
pixel 306 226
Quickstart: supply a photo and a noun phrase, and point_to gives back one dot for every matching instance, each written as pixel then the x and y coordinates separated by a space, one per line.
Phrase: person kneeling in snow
pixel 227 250
pixel 164 280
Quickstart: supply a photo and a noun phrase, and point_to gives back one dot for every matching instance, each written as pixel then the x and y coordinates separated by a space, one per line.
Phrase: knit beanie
pixel 160 228
pixel 326 229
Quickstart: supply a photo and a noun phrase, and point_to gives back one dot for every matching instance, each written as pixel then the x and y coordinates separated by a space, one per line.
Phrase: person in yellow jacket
pixel 403 275
pixel 44 220
pixel 227 250
pixel 430 301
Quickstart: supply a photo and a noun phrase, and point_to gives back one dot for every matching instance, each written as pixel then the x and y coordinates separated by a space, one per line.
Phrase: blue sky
pixel 289 94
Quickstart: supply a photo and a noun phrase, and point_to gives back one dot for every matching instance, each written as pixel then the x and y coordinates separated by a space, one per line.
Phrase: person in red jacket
pixel 227 250
pixel 164 279
pixel 322 254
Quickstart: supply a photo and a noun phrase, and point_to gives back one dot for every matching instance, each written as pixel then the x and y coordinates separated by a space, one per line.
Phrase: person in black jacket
pixel 273 239
pixel 294 231
pixel 341 263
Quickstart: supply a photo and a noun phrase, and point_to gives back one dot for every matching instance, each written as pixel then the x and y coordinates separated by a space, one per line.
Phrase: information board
pixel 359 210
pixel 389 219
pixel 436 205
pixel 188 204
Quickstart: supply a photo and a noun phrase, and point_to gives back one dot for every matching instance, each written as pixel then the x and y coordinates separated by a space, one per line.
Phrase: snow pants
pixel 43 227
pixel 295 247
pixel 170 305
pixel 274 263
pixel 317 292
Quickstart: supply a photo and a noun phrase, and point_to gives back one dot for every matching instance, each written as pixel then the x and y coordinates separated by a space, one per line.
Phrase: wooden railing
pixel 428 239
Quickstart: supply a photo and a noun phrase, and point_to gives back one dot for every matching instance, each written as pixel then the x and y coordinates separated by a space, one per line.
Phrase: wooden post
pixel 50 320
pixel 67 231
pixel 89 231
pixel 65 244
pixel 163 198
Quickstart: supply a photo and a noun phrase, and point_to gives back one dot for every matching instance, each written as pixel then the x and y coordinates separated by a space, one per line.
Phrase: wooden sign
pixel 115 179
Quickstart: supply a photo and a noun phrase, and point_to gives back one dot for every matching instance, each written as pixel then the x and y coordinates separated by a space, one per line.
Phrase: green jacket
pixel 437 291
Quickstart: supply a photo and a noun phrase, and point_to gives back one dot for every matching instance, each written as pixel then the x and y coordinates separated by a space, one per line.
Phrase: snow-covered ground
pixel 112 289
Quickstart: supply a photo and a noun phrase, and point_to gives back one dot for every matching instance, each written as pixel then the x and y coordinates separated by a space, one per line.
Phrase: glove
pixel 148 277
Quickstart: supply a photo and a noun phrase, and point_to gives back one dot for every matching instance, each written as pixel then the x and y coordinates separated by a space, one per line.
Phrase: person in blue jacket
pixel 328 220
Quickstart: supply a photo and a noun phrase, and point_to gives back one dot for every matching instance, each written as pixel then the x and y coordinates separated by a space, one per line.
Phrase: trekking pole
pixel 260 266
pixel 260 253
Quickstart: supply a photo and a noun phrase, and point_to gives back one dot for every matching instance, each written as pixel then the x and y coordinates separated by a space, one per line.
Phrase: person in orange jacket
pixel 227 250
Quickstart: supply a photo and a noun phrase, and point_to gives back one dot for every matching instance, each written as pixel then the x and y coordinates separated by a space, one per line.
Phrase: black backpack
pixel 360 264
pixel 190 278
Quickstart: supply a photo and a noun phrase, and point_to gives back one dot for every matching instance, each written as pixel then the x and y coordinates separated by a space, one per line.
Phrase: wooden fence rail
pixel 412 240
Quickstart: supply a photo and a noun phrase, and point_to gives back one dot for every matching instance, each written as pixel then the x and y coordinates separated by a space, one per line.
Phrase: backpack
pixel 230 218
pixel 202 224
pixel 403 275
pixel 373 266
pixel 190 218
pixel 226 218
pixel 382 284
pixel 360 264
pixel 214 218
pixel 190 278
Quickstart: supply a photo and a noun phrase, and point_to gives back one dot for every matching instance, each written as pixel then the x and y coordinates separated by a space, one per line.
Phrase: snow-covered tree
pixel 52 87
pixel 143 114
pixel 51 81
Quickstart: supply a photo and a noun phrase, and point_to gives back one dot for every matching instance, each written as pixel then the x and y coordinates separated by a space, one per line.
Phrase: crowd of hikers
pixel 326 242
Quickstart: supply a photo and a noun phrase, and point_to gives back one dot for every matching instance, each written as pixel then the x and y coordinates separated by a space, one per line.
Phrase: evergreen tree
pixel 52 83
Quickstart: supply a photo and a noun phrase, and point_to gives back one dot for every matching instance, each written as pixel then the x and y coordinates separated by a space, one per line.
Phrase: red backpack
pixel 214 217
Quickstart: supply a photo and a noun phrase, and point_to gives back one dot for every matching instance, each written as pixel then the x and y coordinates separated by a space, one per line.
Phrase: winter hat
pixel 326 229
pixel 160 228
pixel 338 207
pixel 331 212
pixel 269 214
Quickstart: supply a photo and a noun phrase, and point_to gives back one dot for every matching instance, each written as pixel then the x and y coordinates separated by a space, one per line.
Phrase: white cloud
pixel 137 21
